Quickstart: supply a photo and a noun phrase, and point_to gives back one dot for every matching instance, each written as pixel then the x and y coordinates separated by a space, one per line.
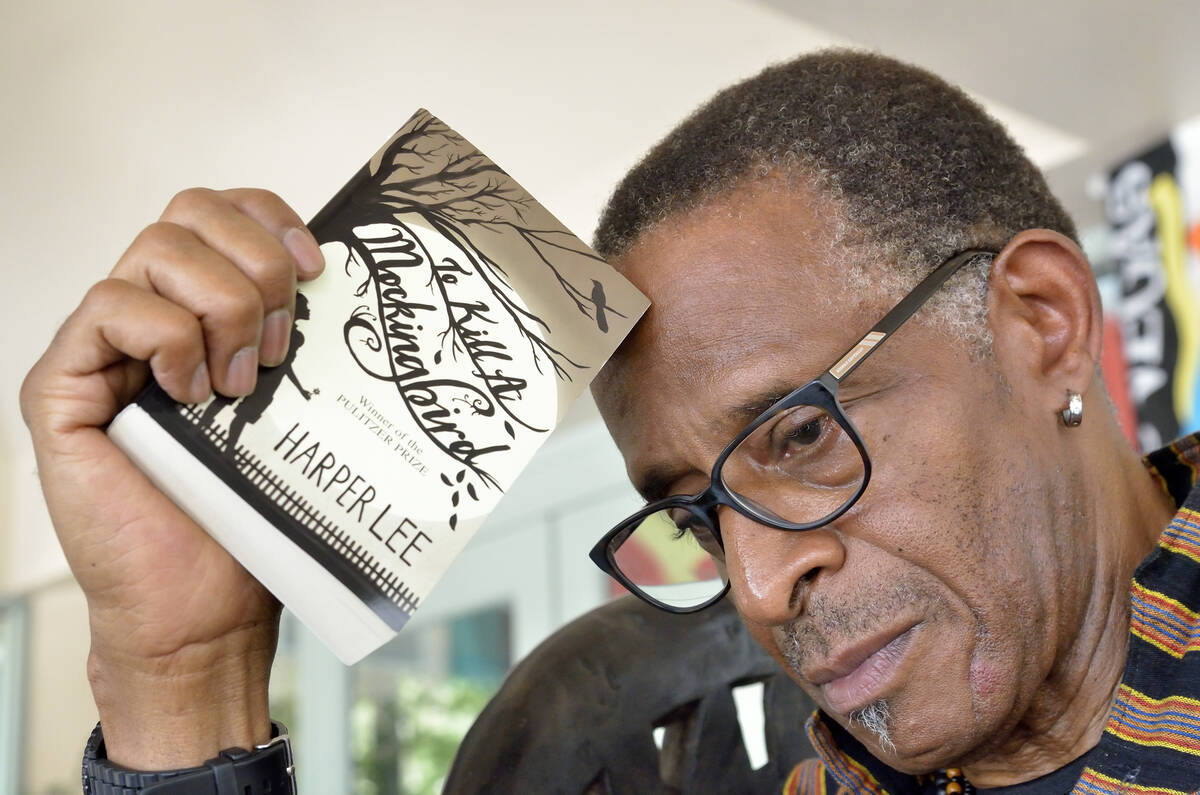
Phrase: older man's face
pixel 941 591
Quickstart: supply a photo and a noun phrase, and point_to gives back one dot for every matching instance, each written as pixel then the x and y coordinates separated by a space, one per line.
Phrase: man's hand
pixel 182 636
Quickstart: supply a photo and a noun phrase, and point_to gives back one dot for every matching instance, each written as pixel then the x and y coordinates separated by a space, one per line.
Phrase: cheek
pixel 983 530
pixel 988 681
pixel 964 503
pixel 981 535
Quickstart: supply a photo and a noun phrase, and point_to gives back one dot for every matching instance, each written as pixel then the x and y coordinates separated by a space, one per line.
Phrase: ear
pixel 1045 315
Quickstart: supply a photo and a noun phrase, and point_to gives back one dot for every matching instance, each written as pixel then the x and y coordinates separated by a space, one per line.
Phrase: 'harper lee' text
pixel 356 496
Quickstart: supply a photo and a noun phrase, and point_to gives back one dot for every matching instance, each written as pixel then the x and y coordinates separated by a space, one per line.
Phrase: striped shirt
pixel 1151 745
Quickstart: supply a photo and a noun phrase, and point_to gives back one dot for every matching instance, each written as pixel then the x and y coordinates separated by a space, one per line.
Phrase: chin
pixel 906 753
pixel 915 737
pixel 925 740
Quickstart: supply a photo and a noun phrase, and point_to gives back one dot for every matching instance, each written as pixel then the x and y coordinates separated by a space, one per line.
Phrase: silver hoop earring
pixel 1072 415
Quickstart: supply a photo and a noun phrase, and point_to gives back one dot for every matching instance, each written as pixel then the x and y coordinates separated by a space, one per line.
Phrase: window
pixel 12 706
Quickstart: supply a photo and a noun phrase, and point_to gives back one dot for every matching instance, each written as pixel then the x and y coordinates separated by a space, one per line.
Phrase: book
pixel 455 323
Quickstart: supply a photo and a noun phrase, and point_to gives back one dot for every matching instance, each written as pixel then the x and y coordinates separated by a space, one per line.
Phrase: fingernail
pixel 243 372
pixel 304 248
pixel 201 385
pixel 277 332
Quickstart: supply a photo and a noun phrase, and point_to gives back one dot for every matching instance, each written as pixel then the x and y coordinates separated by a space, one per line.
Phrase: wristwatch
pixel 269 769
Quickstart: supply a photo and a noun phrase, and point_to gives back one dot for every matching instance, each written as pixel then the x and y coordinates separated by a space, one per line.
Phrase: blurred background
pixel 110 108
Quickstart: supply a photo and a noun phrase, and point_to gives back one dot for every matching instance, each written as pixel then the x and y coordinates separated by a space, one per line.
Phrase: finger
pixel 117 321
pixel 274 214
pixel 256 250
pixel 171 261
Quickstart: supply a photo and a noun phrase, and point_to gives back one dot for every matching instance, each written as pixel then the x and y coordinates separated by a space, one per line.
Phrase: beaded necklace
pixel 951 781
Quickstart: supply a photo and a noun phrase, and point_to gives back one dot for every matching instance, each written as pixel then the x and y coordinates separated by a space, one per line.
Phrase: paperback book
pixel 455 323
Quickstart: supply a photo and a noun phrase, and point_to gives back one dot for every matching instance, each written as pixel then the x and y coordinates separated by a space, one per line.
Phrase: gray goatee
pixel 875 717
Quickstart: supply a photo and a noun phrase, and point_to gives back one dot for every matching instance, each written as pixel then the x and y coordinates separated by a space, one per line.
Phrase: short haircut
pixel 916 168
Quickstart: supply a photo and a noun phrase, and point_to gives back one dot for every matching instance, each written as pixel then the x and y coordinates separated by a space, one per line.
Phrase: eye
pixel 685 522
pixel 688 524
pixel 806 433
pixel 799 432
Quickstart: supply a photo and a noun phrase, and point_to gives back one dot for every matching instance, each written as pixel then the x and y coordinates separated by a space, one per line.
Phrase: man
pixel 937 540
pixel 972 606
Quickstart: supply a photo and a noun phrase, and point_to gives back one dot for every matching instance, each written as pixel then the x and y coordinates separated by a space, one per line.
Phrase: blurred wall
pixel 58 702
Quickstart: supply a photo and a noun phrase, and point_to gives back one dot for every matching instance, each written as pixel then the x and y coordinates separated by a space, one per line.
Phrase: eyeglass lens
pixel 672 556
pixel 799 466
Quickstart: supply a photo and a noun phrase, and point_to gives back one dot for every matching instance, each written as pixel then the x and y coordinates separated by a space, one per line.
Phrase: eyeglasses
pixel 798 466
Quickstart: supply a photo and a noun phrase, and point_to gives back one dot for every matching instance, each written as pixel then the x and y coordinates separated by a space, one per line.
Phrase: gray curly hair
pixel 914 169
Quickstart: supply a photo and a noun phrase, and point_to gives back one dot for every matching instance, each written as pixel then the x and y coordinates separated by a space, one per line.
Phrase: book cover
pixel 455 323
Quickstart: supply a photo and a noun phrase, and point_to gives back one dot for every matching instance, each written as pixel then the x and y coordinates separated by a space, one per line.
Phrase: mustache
pixel 831 621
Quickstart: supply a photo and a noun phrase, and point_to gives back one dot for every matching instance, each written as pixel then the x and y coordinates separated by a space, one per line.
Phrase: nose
pixel 770 570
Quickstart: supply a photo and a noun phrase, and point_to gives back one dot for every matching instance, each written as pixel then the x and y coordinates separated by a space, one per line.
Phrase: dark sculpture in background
pixel 578 715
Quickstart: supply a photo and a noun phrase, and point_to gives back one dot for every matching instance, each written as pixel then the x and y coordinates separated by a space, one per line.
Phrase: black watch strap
pixel 268 769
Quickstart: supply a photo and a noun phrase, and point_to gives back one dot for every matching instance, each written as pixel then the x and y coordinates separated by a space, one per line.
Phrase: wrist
pixel 267 769
pixel 174 711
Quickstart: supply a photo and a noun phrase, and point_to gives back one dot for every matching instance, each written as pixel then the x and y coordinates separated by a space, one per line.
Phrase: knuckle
pixel 183 335
pixel 190 202
pixel 176 344
pixel 272 272
pixel 30 391
pixel 267 206
pixel 262 197
pixel 238 305
pixel 103 294
pixel 161 236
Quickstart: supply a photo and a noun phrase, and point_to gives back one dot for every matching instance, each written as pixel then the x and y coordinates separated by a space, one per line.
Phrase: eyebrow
pixel 750 409
pixel 655 483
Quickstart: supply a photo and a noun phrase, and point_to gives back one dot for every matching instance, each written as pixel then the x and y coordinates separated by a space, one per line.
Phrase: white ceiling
pixel 111 107
pixel 1111 74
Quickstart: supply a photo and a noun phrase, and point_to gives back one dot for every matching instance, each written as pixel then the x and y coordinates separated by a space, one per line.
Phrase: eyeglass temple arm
pixel 901 312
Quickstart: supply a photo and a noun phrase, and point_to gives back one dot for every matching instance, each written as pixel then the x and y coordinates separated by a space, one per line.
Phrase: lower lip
pixel 863 685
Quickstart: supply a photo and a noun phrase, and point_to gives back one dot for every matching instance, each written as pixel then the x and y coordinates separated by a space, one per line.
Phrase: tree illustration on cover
pixel 427 227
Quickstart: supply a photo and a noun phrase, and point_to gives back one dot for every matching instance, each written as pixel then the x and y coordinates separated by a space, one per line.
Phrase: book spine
pixel 336 204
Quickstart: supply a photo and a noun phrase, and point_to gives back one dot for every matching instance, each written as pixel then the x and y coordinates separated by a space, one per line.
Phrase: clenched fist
pixel 182 637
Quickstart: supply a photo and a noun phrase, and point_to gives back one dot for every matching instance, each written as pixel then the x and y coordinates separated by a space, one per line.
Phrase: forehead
pixel 749 296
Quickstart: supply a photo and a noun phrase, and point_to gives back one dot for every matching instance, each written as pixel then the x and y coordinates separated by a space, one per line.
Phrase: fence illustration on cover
pixel 456 321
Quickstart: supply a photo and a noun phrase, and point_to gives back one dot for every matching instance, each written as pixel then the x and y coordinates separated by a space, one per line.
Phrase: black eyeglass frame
pixel 822 393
